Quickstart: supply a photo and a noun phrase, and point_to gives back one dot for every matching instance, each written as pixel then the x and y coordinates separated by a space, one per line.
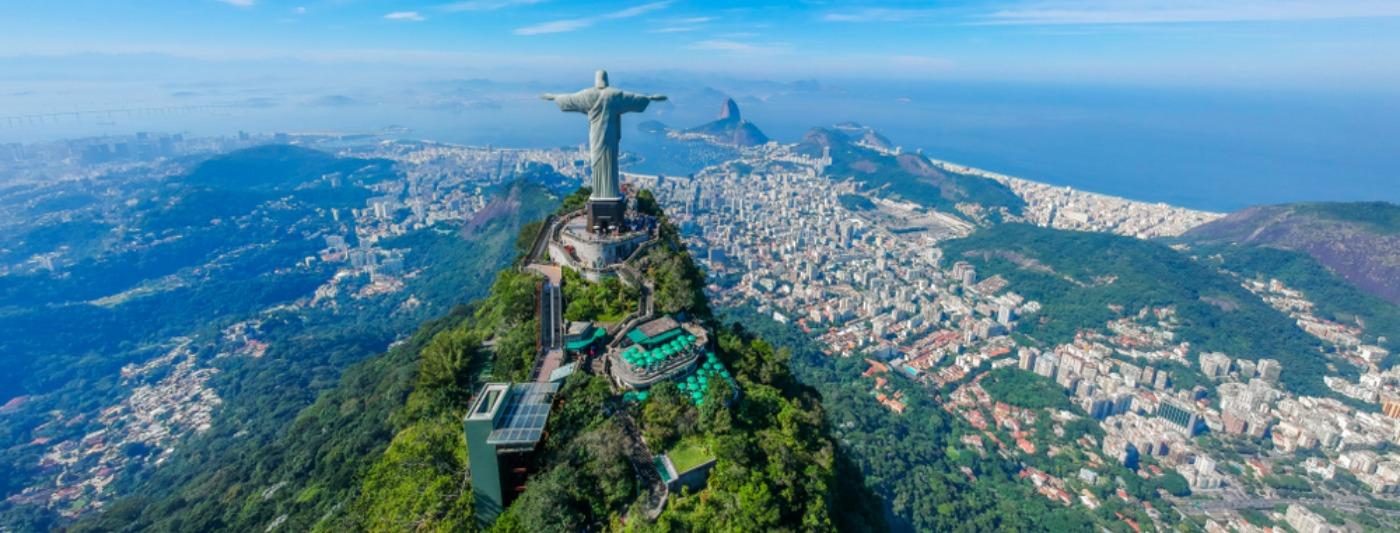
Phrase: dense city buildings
pixel 1067 208
pixel 774 234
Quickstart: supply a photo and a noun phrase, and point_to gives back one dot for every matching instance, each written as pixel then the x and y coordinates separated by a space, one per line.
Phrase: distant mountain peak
pixel 730 110
pixel 730 128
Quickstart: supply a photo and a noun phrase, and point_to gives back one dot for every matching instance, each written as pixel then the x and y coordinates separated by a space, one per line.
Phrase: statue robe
pixel 604 108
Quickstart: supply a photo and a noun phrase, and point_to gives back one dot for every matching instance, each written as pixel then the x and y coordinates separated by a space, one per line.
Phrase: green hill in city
pixel 1077 276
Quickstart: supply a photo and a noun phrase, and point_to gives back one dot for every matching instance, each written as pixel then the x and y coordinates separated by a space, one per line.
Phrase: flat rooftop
pixel 658 326
pixel 519 412
pixel 488 401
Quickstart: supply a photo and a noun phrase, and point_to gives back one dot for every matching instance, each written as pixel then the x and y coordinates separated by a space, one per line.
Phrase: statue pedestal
pixel 604 213
pixel 593 254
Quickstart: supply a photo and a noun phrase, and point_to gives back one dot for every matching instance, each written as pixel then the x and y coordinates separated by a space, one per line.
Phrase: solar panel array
pixel 524 414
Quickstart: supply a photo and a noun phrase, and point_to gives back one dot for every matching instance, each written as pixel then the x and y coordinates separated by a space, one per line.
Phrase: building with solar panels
pixel 503 429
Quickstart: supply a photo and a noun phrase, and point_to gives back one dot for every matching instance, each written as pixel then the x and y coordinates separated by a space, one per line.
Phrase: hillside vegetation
pixel 776 463
pixel 1360 241
pixel 1335 298
pixel 384 450
pixel 908 176
pixel 1024 389
pixel 1080 275
pixel 299 431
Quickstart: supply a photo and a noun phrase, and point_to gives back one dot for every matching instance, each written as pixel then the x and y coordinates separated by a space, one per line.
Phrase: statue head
pixel 600 79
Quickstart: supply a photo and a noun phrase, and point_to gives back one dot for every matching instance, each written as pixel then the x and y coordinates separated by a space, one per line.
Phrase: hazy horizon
pixel 1212 105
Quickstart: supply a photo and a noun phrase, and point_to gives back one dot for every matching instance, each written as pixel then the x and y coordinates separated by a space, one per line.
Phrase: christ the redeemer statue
pixel 604 106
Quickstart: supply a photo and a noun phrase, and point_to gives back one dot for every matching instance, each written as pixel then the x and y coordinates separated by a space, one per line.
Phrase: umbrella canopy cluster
pixel 696 384
pixel 650 359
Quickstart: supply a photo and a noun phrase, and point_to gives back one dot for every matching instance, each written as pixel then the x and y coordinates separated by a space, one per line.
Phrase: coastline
pixel 1064 207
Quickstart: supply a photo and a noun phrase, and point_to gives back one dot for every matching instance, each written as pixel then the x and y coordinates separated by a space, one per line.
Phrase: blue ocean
pixel 1216 149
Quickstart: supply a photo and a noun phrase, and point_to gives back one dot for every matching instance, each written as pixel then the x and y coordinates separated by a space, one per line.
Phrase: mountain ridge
pixel 907 176
pixel 1359 241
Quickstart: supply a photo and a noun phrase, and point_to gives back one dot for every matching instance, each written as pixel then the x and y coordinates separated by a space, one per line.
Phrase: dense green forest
pixel 855 202
pixel 1076 276
pixel 297 428
pixel 1335 298
pixel 605 301
pixel 1024 389
pixel 1380 217
pixel 776 464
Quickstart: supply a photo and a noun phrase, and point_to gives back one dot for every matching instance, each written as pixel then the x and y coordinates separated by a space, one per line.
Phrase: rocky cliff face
pixel 731 128
pixel 730 112
pixel 1359 241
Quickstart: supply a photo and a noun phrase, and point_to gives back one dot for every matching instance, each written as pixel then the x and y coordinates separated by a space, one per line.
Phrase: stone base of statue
pixel 596 254
pixel 605 214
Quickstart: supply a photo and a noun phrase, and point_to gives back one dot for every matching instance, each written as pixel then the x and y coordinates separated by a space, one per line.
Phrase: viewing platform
pixel 659 350
pixel 594 251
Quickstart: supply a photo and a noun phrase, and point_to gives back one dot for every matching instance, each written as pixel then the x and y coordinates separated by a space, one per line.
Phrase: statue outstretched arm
pixel 636 103
pixel 578 102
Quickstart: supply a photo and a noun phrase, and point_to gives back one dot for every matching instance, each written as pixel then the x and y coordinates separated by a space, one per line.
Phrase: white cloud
pixel 407 16
pixel 485 5
pixel 1050 12
pixel 673 29
pixel 239 3
pixel 558 26
pixel 637 10
pixel 726 45
pixel 566 25
pixel 299 10
pixel 679 25
pixel 878 14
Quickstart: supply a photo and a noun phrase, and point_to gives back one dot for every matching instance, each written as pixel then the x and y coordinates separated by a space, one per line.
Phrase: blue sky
pixel 1330 44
